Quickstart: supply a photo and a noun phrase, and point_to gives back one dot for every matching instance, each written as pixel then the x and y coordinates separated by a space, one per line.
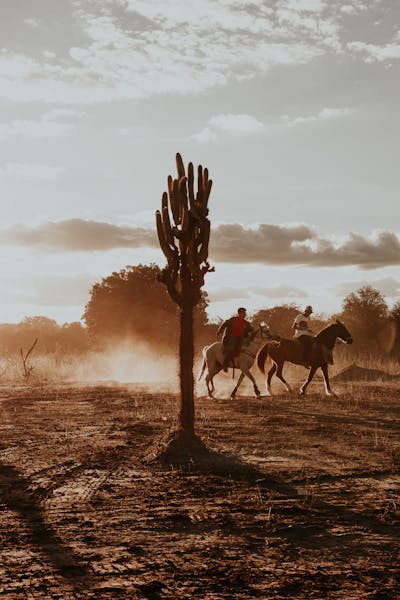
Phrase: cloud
pixel 374 53
pixel 62 113
pixel 33 23
pixel 309 19
pixel 324 115
pixel 348 9
pixel 305 5
pixel 276 245
pixel 235 123
pixel 357 6
pixel 46 127
pixel 230 243
pixel 136 49
pixel 30 172
pixel 205 136
pixel 79 235
pixel 37 129
pixel 228 123
pixel 57 290
pixel 278 291
pixel 388 286
pixel 228 293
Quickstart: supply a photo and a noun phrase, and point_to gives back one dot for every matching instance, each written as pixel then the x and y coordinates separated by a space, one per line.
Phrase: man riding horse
pixel 234 331
pixel 303 333
pixel 305 336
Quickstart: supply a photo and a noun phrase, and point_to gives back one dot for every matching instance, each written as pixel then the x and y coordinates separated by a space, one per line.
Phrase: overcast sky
pixel 291 104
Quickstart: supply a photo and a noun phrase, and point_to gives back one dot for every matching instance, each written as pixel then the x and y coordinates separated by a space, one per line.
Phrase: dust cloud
pixel 134 361
pixel 125 362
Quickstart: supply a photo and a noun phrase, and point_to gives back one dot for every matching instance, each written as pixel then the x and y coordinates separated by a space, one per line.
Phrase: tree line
pixel 134 304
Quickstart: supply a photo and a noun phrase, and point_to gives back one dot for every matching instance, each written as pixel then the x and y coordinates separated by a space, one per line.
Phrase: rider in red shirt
pixel 234 331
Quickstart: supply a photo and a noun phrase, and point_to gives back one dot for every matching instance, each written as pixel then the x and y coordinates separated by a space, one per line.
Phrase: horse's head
pixel 267 333
pixel 343 333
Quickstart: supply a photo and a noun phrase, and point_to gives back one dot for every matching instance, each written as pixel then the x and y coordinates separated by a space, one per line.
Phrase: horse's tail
pixel 203 366
pixel 262 357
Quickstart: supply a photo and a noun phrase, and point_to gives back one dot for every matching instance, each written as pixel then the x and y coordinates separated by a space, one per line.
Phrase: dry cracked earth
pixel 305 503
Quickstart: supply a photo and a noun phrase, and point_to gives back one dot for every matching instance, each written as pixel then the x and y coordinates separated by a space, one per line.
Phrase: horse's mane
pixel 325 329
pixel 331 331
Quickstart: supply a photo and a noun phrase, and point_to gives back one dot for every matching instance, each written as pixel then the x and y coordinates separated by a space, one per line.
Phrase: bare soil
pixel 300 501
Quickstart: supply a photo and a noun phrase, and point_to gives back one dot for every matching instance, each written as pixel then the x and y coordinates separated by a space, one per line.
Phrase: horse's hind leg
pixel 268 380
pixel 210 385
pixel 241 376
pixel 281 377
pixel 210 381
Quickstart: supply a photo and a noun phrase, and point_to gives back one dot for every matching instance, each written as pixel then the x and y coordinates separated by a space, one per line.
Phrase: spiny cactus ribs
pixel 184 233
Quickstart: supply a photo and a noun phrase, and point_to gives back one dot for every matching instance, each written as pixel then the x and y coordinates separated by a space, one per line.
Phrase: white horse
pixel 213 358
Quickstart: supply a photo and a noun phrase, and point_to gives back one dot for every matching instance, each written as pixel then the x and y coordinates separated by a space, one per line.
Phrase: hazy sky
pixel 293 105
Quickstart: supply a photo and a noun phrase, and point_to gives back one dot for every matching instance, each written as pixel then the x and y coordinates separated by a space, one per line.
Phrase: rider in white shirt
pixel 303 333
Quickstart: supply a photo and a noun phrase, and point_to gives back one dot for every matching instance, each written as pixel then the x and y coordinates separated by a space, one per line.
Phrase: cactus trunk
pixel 186 351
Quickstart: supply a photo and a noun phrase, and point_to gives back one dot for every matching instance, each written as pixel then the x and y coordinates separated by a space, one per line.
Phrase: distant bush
pixel 70 338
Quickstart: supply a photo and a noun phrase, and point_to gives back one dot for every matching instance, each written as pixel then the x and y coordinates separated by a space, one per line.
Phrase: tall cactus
pixel 184 232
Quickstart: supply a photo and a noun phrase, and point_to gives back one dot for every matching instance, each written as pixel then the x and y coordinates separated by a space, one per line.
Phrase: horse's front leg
pixel 328 390
pixel 309 379
pixel 280 376
pixel 241 377
pixel 210 385
pixel 250 376
pixel 268 379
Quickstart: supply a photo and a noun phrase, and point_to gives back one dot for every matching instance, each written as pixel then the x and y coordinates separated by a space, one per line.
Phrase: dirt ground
pixel 306 506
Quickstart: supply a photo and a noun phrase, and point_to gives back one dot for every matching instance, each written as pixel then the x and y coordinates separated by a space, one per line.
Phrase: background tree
pixel 280 318
pixel 184 231
pixel 133 303
pixel 365 313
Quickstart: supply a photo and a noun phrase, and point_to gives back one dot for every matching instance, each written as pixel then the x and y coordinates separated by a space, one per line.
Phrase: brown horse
pixel 293 351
